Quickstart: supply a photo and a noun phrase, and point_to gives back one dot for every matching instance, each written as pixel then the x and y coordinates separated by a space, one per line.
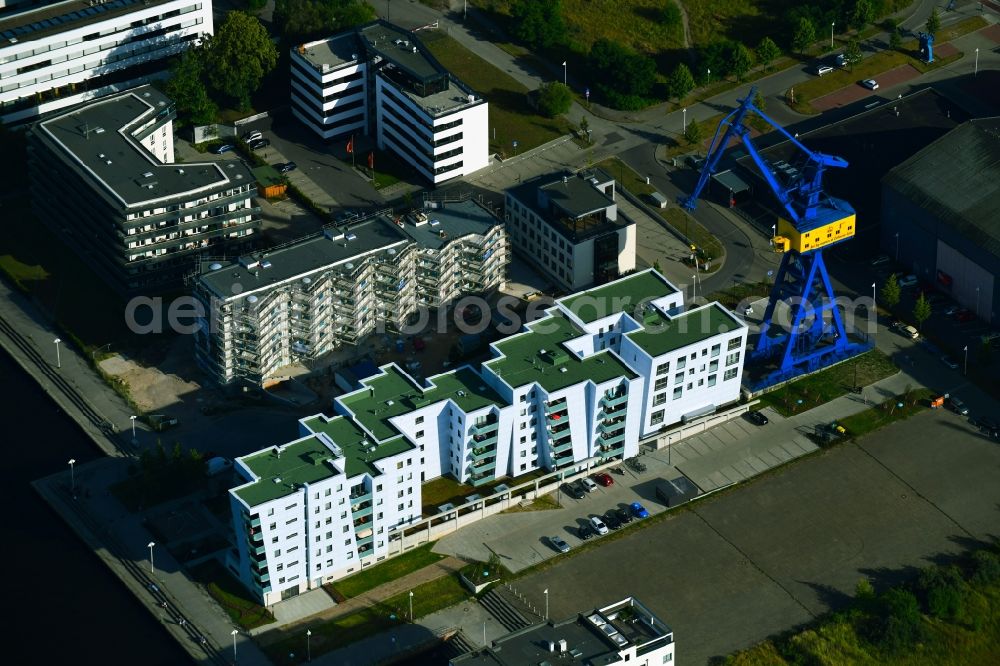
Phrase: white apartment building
pixel 623 632
pixel 301 301
pixel 569 227
pixel 59 54
pixel 379 80
pixel 582 384
pixel 103 177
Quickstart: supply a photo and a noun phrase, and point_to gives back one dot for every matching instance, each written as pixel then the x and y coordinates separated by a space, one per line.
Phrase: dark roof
pixel 38 22
pixel 957 179
pixel 410 54
pixel 454 220
pixel 96 140
pixel 303 257
pixel 530 646
pixel 576 196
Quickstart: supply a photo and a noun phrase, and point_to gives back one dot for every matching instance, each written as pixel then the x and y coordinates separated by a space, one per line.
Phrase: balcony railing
pixel 614 400
pixel 556 435
pixel 361 512
pixel 255 521
pixel 481 480
pixel 359 498
pixel 558 406
pixel 609 451
pixel 608 428
pixel 483 467
pixel 482 441
pixel 556 419
pixel 563 446
pixel 483 454
pixel 608 441
pixel 365 541
pixel 484 428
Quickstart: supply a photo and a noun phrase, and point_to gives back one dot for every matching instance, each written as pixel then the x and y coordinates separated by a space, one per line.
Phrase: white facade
pixel 60 54
pixel 379 81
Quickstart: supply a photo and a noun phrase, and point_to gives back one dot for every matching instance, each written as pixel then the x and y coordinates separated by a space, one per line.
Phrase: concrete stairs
pixel 502 609
pixel 459 644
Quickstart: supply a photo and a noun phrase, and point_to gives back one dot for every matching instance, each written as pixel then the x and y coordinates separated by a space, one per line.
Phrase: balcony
pixel 261 577
pixel 481 441
pixel 364 541
pixel 561 461
pixel 481 480
pixel 555 407
pixel 614 400
pixel 256 536
pixel 483 467
pixel 562 447
pixel 483 454
pixel 359 511
pixel 557 419
pixel 484 428
pixel 610 451
pixel 608 441
pixel 255 521
pixel 359 498
pixel 607 428
pixel 556 435
pixel 257 551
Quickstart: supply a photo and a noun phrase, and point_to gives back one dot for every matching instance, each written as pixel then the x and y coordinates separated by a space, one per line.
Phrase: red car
pixel 965 315
pixel 604 479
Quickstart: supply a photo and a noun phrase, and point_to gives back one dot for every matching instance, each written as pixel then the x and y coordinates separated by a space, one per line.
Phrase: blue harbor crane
pixel 813 336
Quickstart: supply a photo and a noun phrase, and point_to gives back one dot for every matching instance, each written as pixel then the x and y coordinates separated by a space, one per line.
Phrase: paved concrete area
pixel 302 606
pixel 853 93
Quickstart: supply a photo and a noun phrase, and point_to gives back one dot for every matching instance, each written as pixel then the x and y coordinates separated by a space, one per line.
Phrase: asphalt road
pixel 790 546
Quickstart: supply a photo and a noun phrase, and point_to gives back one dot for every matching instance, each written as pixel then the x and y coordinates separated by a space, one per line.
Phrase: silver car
pixel 598 525
pixel 558 543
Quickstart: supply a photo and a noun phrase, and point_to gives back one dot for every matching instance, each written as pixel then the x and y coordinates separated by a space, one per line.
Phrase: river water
pixel 64 606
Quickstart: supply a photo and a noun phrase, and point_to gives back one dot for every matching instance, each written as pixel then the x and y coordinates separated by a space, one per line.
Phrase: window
pixel 659 398
pixel 678 378
pixel 731 373
pixel 713 366
pixel 733 359
pixel 711 380
pixel 274 526
pixel 681 363
pixel 733 344
pixel 661 383
pixel 418 420
pixel 667 658
pixel 346 529
pixel 657 417
pixel 280 567
pixel 420 433
pixel 399 465
pixel 678 392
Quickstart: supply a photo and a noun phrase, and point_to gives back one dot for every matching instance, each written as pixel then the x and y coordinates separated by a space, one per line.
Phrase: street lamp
pixel 694 283
pixel 133 418
pixel 976 73
pixel 72 476
pixel 546 592
pixel 233 634
pixel 965 366
pixel 897 246
pixel 564 73
pixel 832 23
pixel 875 310
pixel 309 653
pixel 150 546
pixel 411 605
pixel 708 76
pixel 58 358
pixel 977 301
pixel 684 123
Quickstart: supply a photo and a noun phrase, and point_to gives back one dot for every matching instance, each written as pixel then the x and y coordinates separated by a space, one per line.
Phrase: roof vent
pixel 389 403
pixel 148 174
pixel 552 646
pixel 349 266
pixel 351 237
pixel 98 130
pixel 253 299
pixel 265 264
pixel 562 369
pixel 562 645
pixel 107 162
pixel 391 251
pixel 277 479
pixel 180 171
pixel 461 394
pixel 214 266
pixel 354 56
pixel 472 98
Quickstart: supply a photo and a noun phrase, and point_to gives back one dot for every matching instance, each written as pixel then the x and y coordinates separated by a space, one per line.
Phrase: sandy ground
pixel 158 389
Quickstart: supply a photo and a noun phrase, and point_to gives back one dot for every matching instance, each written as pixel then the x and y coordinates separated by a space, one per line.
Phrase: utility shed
pixel 269 181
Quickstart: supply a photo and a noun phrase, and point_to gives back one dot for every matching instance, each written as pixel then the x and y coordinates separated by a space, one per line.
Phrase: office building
pixel 379 80
pixel 301 301
pixel 64 53
pixel 624 632
pixel 583 385
pixel 569 227
pixel 103 177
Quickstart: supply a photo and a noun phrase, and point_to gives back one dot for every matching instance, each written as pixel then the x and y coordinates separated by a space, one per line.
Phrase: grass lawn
pixel 441 491
pixel 868 68
pixel 543 503
pixel 231 595
pixel 732 296
pixel 428 598
pixel 511 118
pixel 887 412
pixel 823 386
pixel 675 216
pixel 636 24
pixel 391 569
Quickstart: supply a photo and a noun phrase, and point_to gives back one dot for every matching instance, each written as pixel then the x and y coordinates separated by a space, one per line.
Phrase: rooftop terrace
pixel 662 334
pixel 538 355
pixel 624 295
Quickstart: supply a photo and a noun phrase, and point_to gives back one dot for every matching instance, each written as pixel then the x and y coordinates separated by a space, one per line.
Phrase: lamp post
pixel 875 311
pixel 72 476
pixel 965 365
pixel 133 418
pixel 832 23
pixel 897 246
pixel 150 546
pixel 411 605
pixel 58 358
pixel 233 634
pixel 694 283
pixel 684 122
pixel 708 76
pixel 309 654
pixel 565 79
pixel 546 592
pixel 976 72
pixel 977 301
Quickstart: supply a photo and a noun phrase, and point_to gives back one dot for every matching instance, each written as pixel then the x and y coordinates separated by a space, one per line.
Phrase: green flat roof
pixel 618 296
pixel 303 461
pixel 371 406
pixel 356 445
pixel 662 334
pixel 524 361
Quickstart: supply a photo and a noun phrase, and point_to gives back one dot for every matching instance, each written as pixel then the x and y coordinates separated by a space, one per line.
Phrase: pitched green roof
pixel 356 445
pixel 304 461
pixel 393 393
pixel 662 334
pixel 622 295
pixel 524 361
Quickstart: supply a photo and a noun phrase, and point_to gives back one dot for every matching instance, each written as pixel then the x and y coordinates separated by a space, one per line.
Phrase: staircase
pixel 459 645
pixel 501 609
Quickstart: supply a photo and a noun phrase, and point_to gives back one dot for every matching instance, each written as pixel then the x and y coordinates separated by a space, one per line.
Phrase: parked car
pixel 623 516
pixel 259 143
pixel 823 69
pixel 580 487
pixel 160 422
pixel 604 479
pixel 871 84
pixel 559 544
pixel 588 485
pixel 986 425
pixel 638 510
pixel 950 362
pixel 908 281
pixel 253 135
pixel 611 520
pixel 881 260
pixel 585 533
pixel 756 418
pixel 224 148
pixel 965 315
pixel 598 526
pixel 286 167
pixel 952 310
pixel 573 491
pixel 957 406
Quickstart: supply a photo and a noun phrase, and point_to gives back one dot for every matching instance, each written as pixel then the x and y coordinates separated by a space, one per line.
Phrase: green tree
pixel 692 133
pixel 900 626
pixel 623 77
pixel 671 16
pixel 895 40
pixel 767 52
pixel 852 54
pixel 921 310
pixel 680 82
pixel 585 128
pixel 933 22
pixel 186 86
pixel 985 567
pixel 239 56
pixel 538 23
pixel 803 35
pixel 890 292
pixel 299 20
pixel 759 101
pixel 740 61
pixel 943 592
pixel 554 99
pixel 862 15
